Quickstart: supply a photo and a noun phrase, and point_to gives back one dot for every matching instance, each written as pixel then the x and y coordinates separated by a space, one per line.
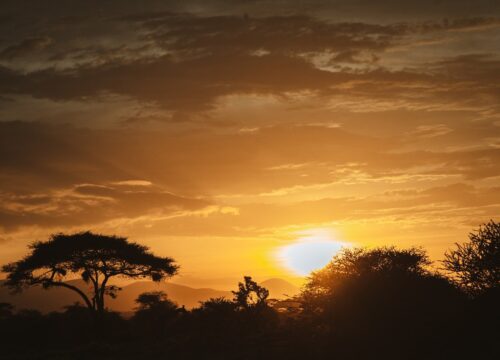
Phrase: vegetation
pixel 250 294
pixel 476 264
pixel 382 303
pixel 93 257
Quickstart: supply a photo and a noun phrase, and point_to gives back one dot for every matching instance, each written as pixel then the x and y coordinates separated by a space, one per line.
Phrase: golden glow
pixel 214 142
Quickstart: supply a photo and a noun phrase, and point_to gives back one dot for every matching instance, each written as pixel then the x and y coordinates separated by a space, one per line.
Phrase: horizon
pixel 252 138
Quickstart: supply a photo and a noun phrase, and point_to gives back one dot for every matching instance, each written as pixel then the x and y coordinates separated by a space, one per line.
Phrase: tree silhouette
pixel 359 262
pixel 157 304
pixel 476 264
pixel 384 297
pixel 250 294
pixel 95 258
pixel 153 299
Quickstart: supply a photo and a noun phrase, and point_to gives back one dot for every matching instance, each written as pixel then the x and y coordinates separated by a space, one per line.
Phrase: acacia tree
pixel 476 264
pixel 95 258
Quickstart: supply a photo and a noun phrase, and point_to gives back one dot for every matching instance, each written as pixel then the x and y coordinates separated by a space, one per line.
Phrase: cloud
pixel 25 47
pixel 55 176
pixel 196 85
pixel 133 183
pixel 455 203
pixel 89 204
pixel 287 113
pixel 428 131
pixel 52 157
pixel 185 63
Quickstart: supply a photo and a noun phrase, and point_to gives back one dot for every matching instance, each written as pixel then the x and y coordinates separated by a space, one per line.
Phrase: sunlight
pixel 310 252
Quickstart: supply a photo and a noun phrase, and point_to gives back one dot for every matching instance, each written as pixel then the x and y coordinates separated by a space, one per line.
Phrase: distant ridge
pixel 55 299
pixel 279 288
pixel 181 294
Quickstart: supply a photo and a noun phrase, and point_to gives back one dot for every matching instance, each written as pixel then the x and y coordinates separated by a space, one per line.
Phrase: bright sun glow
pixel 310 252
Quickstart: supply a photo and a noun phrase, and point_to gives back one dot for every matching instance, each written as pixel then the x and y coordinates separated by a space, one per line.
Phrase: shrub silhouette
pixel 155 315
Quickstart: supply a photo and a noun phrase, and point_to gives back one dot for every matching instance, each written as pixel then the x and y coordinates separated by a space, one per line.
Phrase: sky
pixel 228 134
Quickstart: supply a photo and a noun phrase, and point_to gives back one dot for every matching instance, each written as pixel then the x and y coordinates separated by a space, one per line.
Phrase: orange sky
pixel 219 134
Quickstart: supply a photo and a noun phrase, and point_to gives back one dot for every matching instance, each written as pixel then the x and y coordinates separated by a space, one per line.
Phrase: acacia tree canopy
pixel 95 258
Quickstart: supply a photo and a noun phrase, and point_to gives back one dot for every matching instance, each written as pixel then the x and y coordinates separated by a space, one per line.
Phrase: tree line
pixel 377 303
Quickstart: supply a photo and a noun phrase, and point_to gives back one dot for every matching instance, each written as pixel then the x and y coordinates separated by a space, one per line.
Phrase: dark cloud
pixel 195 84
pixel 382 10
pixel 89 204
pixel 25 47
pixel 185 63
pixel 185 56
pixel 284 34
pixel 188 86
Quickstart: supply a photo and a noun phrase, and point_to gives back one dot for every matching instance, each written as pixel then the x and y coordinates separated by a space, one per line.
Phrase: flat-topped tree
pixel 95 258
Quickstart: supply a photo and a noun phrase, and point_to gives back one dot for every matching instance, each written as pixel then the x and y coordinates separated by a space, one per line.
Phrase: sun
pixel 310 252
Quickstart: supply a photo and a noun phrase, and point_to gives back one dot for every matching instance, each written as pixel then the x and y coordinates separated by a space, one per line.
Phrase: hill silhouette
pixel 279 288
pixel 55 299
pixel 181 294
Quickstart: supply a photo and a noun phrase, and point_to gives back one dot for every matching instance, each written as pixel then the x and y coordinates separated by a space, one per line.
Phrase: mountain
pixel 279 288
pixel 181 294
pixel 38 298
pixel 56 299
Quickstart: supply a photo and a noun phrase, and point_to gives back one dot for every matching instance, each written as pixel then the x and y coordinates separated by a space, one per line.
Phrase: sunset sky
pixel 228 134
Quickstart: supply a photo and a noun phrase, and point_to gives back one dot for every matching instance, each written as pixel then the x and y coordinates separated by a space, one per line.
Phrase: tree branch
pixel 74 288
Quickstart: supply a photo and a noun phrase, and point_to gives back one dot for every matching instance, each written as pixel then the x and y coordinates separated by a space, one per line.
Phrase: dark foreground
pixel 410 328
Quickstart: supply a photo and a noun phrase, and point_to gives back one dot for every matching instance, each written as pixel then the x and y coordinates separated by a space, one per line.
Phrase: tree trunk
pixel 101 293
